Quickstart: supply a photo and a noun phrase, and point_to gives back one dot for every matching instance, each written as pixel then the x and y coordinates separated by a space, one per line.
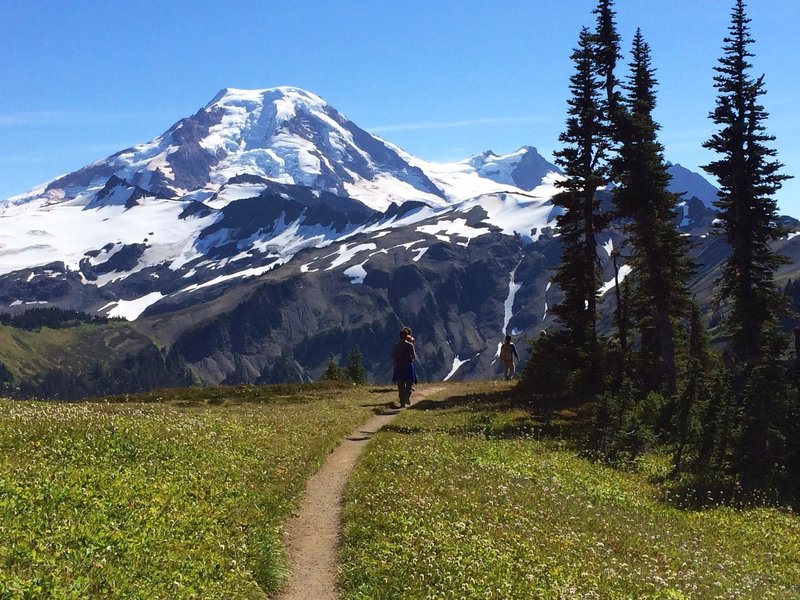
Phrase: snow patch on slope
pixel 624 271
pixel 131 309
pixel 513 288
pixel 38 233
pixel 457 363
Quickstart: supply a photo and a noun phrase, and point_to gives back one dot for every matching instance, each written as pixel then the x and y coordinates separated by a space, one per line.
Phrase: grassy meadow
pixel 468 498
pixel 184 494
pixel 179 494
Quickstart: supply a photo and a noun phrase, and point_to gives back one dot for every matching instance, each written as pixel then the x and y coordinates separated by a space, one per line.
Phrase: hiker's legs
pixel 404 392
pixel 508 370
pixel 401 392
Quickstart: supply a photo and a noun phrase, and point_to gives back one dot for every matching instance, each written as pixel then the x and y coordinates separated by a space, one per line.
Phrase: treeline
pixel 148 369
pixel 729 417
pixel 52 317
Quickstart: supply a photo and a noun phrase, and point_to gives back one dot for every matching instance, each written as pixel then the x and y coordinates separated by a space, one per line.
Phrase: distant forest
pixel 145 370
pixel 52 317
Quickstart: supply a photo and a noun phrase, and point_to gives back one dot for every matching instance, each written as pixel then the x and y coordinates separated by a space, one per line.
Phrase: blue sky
pixel 442 79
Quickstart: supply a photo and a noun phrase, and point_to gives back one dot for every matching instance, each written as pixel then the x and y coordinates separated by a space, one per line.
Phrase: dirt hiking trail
pixel 313 535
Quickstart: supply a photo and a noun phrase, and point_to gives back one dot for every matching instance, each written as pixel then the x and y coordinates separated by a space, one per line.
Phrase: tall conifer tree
pixel 659 259
pixel 584 162
pixel 748 178
pixel 607 55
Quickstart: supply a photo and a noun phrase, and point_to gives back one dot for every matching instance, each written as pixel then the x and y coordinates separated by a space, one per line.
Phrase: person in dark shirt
pixel 405 373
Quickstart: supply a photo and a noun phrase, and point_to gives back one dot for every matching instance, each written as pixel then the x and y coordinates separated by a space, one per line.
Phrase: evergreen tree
pixel 748 176
pixel 758 455
pixel 584 162
pixel 355 370
pixel 659 261
pixel 606 44
pixel 333 372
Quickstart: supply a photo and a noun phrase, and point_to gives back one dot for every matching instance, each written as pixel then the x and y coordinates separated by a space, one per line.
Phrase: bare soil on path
pixel 313 535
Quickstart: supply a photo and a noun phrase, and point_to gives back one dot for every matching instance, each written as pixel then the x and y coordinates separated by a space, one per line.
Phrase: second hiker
pixel 508 357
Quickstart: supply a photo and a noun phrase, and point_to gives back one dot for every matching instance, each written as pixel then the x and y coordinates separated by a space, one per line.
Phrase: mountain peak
pixel 239 96
pixel 691 184
pixel 524 168
pixel 284 134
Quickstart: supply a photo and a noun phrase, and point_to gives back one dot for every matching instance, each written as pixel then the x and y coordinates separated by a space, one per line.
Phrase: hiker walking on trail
pixel 509 358
pixel 405 373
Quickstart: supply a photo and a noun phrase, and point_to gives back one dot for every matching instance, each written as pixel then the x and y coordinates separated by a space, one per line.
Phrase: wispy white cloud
pixel 431 125
pixel 46 154
pixel 39 118
pixel 32 118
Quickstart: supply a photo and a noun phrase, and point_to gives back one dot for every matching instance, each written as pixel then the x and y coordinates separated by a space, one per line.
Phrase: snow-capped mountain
pixel 285 135
pixel 525 168
pixel 156 219
pixel 267 230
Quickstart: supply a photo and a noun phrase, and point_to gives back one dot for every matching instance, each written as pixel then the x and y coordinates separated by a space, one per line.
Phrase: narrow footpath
pixel 313 535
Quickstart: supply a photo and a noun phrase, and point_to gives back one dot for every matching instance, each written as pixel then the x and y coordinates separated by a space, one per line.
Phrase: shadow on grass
pixel 505 399
pixel 570 428
pixel 697 492
pixel 568 425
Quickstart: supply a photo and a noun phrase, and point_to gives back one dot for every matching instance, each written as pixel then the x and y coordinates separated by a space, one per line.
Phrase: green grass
pixel 469 499
pixel 184 494
pixel 184 498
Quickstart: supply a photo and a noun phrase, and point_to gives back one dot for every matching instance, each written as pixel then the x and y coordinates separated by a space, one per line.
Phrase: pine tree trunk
pixel 666 347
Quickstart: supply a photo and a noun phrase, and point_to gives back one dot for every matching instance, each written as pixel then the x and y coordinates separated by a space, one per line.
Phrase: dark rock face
pixel 51 284
pixel 125 259
pixel 84 177
pixel 697 218
pixel 242 221
pixel 691 184
pixel 453 298
pixel 191 163
pixel 119 191
pixel 530 170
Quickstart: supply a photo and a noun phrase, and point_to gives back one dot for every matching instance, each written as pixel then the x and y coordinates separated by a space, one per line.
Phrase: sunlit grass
pixel 181 497
pixel 472 500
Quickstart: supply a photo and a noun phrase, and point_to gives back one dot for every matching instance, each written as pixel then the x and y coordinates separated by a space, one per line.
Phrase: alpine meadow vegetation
pixel 472 497
pixel 173 494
